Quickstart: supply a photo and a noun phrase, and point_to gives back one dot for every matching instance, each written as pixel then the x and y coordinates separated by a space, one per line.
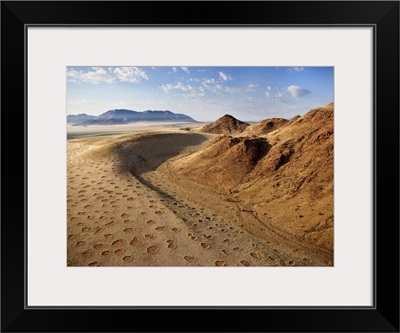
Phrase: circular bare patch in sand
pixel 171 244
pixel 152 249
pixel 245 263
pixel 118 242
pixel 135 241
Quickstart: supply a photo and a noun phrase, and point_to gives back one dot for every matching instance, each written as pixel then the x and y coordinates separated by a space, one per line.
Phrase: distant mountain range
pixel 122 116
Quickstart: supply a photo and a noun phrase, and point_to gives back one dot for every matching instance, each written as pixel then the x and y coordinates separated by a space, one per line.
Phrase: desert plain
pixel 222 194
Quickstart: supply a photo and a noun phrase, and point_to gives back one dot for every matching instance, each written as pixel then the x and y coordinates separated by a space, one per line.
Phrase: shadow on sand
pixel 146 153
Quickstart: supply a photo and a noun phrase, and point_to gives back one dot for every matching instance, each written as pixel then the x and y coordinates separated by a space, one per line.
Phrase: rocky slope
pixel 225 125
pixel 285 177
pixel 264 127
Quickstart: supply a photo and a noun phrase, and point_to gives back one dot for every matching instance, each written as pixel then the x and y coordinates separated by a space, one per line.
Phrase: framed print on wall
pixel 222 164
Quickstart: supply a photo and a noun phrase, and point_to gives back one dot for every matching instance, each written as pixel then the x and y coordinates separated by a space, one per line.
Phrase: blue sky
pixel 204 93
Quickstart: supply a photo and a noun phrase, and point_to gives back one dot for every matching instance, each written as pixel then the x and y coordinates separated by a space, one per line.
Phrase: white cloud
pixel 252 87
pixel 100 75
pixel 208 81
pixel 278 96
pixel 184 90
pixel 297 91
pixel 218 86
pixel 210 84
pixel 296 69
pixel 174 69
pixel 178 86
pixel 185 69
pixel 233 90
pixel 249 88
pixel 224 76
pixel 96 75
pixel 195 94
pixel 130 74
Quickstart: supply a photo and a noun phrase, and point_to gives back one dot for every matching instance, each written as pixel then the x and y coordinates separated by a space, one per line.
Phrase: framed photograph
pixel 229 163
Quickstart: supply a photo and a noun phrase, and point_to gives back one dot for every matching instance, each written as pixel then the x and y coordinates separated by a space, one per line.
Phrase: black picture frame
pixel 383 316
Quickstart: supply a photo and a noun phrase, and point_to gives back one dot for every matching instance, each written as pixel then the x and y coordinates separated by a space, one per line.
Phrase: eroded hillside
pixel 284 177
pixel 225 125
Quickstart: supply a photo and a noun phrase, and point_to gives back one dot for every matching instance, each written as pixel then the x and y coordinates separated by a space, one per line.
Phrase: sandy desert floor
pixel 125 207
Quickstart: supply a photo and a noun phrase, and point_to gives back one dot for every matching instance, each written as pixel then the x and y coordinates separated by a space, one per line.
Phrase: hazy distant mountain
pixel 122 116
pixel 78 118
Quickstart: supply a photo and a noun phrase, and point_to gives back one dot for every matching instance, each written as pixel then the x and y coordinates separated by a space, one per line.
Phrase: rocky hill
pixel 264 127
pixel 225 125
pixel 285 177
